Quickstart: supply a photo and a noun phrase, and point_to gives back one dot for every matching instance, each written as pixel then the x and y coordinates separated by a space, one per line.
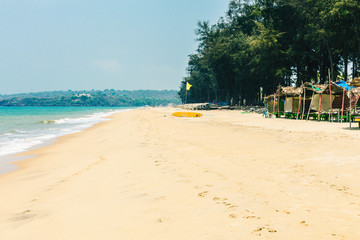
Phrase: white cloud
pixel 109 65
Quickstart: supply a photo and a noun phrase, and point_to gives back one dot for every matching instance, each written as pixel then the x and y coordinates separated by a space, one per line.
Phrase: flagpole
pixel 187 87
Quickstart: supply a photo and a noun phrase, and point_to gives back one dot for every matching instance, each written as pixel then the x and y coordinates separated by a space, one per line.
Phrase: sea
pixel 25 128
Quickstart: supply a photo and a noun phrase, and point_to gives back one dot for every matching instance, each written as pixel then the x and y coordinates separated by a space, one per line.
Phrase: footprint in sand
pixel 203 194
pixel 233 206
pixel 232 216
pixel 257 231
pixel 251 217
pixel 260 229
pixel 162 219
pixel 304 223
pixel 161 198
pixel 337 235
pixel 284 211
pixel 25 215
pixel 246 210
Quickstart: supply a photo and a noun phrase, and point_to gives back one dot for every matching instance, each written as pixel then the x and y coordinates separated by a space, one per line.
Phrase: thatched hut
pixel 291 98
pixel 355 92
pixel 312 100
pixel 271 105
pixel 318 101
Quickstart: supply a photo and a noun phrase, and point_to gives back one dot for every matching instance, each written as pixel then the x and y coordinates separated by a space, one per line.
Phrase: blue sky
pixel 98 44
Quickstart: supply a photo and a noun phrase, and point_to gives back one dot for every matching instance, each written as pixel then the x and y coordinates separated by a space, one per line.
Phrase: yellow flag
pixel 188 86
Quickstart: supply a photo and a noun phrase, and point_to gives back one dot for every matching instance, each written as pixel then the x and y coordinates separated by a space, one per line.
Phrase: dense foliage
pixel 260 44
pixel 92 98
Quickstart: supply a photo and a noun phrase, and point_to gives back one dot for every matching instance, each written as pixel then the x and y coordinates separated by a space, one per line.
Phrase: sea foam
pixel 28 130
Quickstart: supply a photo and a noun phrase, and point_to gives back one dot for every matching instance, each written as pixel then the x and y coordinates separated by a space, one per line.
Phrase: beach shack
pixel 320 102
pixel 292 99
pixel 272 106
pixel 335 101
pixel 285 102
pixel 329 101
pixel 356 94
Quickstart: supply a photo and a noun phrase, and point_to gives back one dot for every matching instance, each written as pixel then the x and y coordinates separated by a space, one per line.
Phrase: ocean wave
pixel 16 145
pixel 20 140
pixel 13 132
pixel 47 121
pixel 87 118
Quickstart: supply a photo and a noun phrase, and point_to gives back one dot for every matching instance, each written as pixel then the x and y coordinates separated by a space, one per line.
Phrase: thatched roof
pixel 355 82
pixel 315 88
pixel 291 91
pixel 356 91
pixel 270 97
pixel 318 88
pixel 324 88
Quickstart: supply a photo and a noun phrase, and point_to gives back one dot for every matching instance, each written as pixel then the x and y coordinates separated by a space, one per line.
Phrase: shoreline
pixel 226 175
pixel 14 159
pixel 8 161
pixel 23 157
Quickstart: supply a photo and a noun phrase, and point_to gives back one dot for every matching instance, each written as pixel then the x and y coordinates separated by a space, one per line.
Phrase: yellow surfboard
pixel 187 114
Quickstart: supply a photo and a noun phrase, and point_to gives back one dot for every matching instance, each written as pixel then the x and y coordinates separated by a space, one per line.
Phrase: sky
pixel 48 45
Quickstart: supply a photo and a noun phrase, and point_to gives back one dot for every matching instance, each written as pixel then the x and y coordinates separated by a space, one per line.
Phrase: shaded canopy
pixel 337 88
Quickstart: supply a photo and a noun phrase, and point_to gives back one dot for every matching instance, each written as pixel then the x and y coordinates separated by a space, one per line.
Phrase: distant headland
pixel 93 98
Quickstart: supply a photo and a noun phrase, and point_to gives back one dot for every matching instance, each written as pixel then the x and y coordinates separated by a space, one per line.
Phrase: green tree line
pixel 261 44
pixel 92 98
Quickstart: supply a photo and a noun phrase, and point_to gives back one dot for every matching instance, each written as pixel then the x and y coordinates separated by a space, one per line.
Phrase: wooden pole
pixel 279 102
pixel 265 110
pixel 265 106
pixel 319 107
pixel 303 110
pixel 357 99
pixel 297 115
pixel 312 97
pixel 342 107
pixel 285 107
pixel 331 113
pixel 350 108
pixel 274 105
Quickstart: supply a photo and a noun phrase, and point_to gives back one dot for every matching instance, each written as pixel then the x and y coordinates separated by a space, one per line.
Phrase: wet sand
pixel 227 175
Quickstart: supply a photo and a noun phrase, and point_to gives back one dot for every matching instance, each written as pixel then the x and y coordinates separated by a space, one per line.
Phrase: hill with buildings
pixel 92 98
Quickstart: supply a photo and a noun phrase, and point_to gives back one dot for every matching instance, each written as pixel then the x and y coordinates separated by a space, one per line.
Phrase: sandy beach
pixel 227 175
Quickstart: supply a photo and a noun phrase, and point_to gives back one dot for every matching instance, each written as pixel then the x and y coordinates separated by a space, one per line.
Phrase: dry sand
pixel 227 175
